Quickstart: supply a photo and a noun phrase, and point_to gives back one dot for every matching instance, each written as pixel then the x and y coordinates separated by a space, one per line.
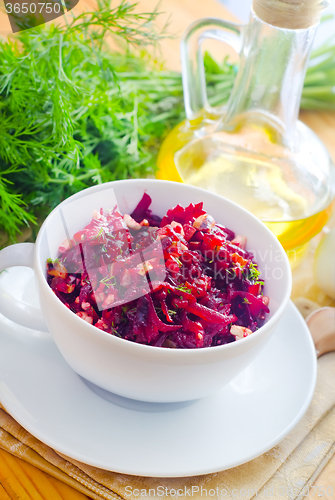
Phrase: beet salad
pixel 183 281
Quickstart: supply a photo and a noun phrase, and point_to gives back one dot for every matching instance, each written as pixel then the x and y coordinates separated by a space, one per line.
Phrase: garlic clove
pixel 324 264
pixel 204 223
pixel 321 324
pixel 131 223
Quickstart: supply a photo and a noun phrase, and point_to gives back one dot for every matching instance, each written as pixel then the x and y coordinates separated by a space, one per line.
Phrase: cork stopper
pixel 289 14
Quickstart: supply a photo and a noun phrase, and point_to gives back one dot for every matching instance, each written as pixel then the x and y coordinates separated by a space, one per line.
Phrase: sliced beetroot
pixel 183 215
pixel 142 211
pixel 158 323
pixel 210 315
pixel 256 305
pixel 177 282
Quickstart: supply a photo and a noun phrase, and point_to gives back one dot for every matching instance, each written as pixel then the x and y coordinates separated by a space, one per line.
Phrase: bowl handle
pixel 21 254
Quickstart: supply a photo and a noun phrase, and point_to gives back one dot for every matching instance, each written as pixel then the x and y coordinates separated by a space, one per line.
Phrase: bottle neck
pixel 289 14
pixel 270 78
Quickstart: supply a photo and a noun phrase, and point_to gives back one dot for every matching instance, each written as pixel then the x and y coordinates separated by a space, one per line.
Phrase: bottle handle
pixel 21 254
pixel 193 71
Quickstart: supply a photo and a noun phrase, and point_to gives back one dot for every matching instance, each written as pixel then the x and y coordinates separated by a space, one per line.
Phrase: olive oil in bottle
pixel 257 153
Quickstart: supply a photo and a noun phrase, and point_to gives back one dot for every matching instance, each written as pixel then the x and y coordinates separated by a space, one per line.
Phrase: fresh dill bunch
pixel 12 208
pixel 66 122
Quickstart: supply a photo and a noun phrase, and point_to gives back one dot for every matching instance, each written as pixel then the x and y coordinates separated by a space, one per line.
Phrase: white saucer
pixel 245 419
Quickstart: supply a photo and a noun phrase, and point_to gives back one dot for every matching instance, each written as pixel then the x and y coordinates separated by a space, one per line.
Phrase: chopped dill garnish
pixel 99 234
pixel 253 272
pixel 108 281
pixel 115 332
pixel 53 261
pixel 183 288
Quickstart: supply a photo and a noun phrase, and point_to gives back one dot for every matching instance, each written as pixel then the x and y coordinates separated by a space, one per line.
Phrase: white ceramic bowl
pixel 136 371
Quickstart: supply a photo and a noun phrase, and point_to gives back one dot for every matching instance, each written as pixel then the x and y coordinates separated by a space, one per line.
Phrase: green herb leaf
pixel 108 281
pixel 252 273
pixel 183 288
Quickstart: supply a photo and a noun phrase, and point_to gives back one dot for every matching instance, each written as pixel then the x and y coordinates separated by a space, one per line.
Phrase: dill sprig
pixel 183 288
pixel 252 272
pixel 108 281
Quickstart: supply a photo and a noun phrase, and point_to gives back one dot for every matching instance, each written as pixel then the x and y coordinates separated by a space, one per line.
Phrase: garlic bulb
pixel 324 264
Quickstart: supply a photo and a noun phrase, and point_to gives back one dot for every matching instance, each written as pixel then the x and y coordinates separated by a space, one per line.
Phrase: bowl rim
pixel 155 350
